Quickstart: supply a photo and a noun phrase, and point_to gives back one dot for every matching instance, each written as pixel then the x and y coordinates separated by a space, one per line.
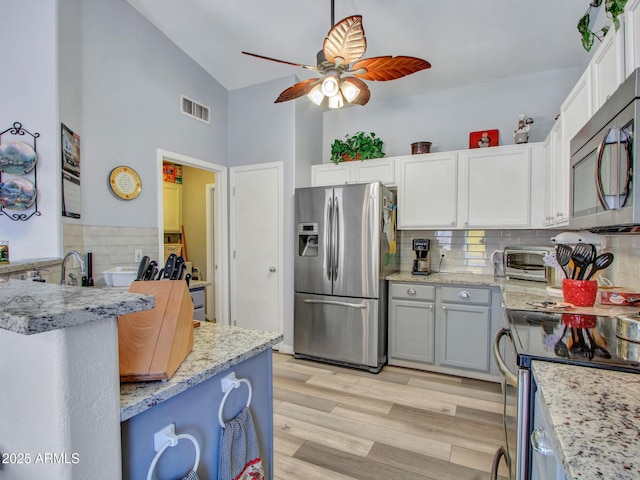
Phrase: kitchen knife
pixel 160 273
pixel 177 269
pixel 149 270
pixel 169 266
pixel 180 275
pixel 142 267
pixel 154 272
pixel 187 279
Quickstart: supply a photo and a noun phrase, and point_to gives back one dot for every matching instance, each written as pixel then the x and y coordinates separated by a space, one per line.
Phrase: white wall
pixel 28 94
pixel 261 132
pixel 446 117
pixel 133 76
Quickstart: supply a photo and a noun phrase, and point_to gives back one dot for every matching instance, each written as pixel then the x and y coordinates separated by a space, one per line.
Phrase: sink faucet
pixel 74 279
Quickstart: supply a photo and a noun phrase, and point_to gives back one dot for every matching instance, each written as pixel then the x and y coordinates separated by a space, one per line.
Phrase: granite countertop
pixel 596 419
pixel 516 294
pixel 216 348
pixel 28 307
pixel 24 265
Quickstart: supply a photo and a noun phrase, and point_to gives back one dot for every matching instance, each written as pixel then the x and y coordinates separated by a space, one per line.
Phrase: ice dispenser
pixel 308 239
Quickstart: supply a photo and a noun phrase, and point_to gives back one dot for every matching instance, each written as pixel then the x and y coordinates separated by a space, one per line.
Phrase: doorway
pixel 216 265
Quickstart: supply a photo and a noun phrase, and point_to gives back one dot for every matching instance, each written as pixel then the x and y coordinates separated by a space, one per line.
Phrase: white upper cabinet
pixel 608 66
pixel 495 187
pixel 556 179
pixel 428 191
pixel 576 110
pixel 377 169
pixel 632 36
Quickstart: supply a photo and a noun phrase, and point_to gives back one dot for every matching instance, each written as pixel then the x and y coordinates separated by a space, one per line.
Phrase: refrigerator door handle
pixel 336 237
pixel 360 306
pixel 328 238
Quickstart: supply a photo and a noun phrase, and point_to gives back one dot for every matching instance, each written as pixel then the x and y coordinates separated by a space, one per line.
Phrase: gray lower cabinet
pixel 464 336
pixel 412 324
pixel 447 329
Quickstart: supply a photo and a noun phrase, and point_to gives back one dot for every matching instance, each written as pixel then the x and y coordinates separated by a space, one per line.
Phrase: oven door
pixel 505 356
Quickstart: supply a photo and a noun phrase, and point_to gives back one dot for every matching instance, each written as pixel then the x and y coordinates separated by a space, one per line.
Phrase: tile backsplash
pixel 469 251
pixel 110 246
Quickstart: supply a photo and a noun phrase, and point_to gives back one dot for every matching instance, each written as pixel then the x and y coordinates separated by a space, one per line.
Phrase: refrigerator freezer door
pixel 313 273
pixel 357 248
pixel 341 330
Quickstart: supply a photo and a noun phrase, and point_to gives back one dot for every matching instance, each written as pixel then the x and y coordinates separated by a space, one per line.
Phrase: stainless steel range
pixel 578 339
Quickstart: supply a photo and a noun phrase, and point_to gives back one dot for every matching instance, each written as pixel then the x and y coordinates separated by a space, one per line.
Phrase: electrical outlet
pixel 443 253
pixel 137 255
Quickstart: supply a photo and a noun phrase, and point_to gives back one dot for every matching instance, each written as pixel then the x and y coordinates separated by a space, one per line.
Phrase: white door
pixel 256 246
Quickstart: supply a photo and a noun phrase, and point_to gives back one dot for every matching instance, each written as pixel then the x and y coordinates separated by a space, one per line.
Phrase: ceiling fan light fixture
pixel 350 91
pixel 316 95
pixel 330 85
pixel 336 101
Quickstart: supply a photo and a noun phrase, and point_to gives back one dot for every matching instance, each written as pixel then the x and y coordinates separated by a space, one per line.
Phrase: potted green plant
pixel 613 8
pixel 361 146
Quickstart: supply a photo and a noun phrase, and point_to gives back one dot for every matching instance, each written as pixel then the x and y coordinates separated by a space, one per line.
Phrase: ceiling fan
pixel 341 54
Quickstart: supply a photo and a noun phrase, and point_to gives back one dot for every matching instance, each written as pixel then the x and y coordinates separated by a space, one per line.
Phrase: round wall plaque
pixel 125 182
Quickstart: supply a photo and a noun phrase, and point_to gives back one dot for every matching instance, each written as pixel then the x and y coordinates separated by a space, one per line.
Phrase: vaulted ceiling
pixel 466 41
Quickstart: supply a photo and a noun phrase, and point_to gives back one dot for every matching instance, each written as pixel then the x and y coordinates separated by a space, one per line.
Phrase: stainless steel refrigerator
pixel 345 247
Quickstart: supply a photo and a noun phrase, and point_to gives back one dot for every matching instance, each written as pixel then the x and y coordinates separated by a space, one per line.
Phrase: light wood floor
pixel 338 423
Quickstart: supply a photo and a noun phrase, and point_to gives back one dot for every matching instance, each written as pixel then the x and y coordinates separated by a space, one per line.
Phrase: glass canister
pixel 4 251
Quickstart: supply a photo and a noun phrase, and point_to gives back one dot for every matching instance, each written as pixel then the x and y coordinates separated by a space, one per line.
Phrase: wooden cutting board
pixel 153 343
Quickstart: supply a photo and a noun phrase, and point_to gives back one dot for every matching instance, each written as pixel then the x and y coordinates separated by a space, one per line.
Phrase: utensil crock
pixel 581 293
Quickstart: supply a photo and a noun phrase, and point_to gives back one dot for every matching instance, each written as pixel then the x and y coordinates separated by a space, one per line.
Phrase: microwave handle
pixel 598 176
pixel 511 378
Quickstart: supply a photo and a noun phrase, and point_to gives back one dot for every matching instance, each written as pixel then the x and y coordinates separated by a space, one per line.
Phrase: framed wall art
pixel 483 139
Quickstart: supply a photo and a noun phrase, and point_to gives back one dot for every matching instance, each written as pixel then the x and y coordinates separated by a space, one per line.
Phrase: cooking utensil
pixel 601 262
pixel 142 267
pixel 579 347
pixel 563 255
pixel 160 273
pixel 169 266
pixel 180 273
pixel 187 278
pixel 583 255
pixel 551 260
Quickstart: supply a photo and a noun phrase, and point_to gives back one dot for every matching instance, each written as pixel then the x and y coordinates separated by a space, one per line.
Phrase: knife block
pixel 153 343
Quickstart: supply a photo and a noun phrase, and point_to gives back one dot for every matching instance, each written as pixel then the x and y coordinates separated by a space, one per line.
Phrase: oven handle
pixel 511 378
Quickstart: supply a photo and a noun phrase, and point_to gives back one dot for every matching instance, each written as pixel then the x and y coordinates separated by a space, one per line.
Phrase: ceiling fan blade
pixel 388 68
pixel 308 67
pixel 297 90
pixel 345 42
pixel 364 95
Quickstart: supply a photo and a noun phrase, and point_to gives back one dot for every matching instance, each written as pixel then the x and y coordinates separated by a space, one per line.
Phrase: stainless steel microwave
pixel 604 195
pixel 525 263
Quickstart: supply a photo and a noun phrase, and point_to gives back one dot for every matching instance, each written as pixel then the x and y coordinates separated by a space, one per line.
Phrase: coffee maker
pixel 421 262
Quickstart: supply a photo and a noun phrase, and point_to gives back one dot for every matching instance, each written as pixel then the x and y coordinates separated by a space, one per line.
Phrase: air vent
pixel 195 110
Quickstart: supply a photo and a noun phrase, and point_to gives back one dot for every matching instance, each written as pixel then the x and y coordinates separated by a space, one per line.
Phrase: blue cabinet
pixel 195 411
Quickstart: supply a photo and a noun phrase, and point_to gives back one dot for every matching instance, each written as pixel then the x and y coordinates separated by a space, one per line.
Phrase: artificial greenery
pixel 362 146
pixel 613 8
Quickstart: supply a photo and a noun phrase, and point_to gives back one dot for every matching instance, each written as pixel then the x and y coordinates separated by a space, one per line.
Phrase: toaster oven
pixel 526 263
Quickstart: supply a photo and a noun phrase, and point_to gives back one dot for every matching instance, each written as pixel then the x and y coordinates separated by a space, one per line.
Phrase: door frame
pixel 210 216
pixel 279 166
pixel 219 245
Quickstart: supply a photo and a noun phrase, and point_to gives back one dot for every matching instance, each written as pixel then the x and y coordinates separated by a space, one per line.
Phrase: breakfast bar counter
pixel 216 349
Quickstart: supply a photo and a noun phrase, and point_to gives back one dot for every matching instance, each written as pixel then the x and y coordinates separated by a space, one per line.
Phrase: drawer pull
pixel 411 291
pixel 464 294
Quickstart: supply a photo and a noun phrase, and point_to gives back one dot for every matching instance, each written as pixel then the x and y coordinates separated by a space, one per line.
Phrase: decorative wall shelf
pixel 15 183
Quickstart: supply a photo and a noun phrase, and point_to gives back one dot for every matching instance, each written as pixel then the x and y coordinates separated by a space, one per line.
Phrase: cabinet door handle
pixel 539 442
pixel 443 307
pixel 272 269
pixel 411 291
pixel 430 307
pixel 466 222
pixel 453 222
pixel 464 294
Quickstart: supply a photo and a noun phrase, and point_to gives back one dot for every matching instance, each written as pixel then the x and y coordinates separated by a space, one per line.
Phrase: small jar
pixel 420 147
pixel 4 251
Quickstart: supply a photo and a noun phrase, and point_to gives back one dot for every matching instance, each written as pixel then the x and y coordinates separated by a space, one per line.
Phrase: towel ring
pixel 230 382
pixel 166 438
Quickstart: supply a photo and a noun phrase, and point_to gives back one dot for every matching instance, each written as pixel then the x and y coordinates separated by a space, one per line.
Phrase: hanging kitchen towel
pixel 192 476
pixel 239 450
